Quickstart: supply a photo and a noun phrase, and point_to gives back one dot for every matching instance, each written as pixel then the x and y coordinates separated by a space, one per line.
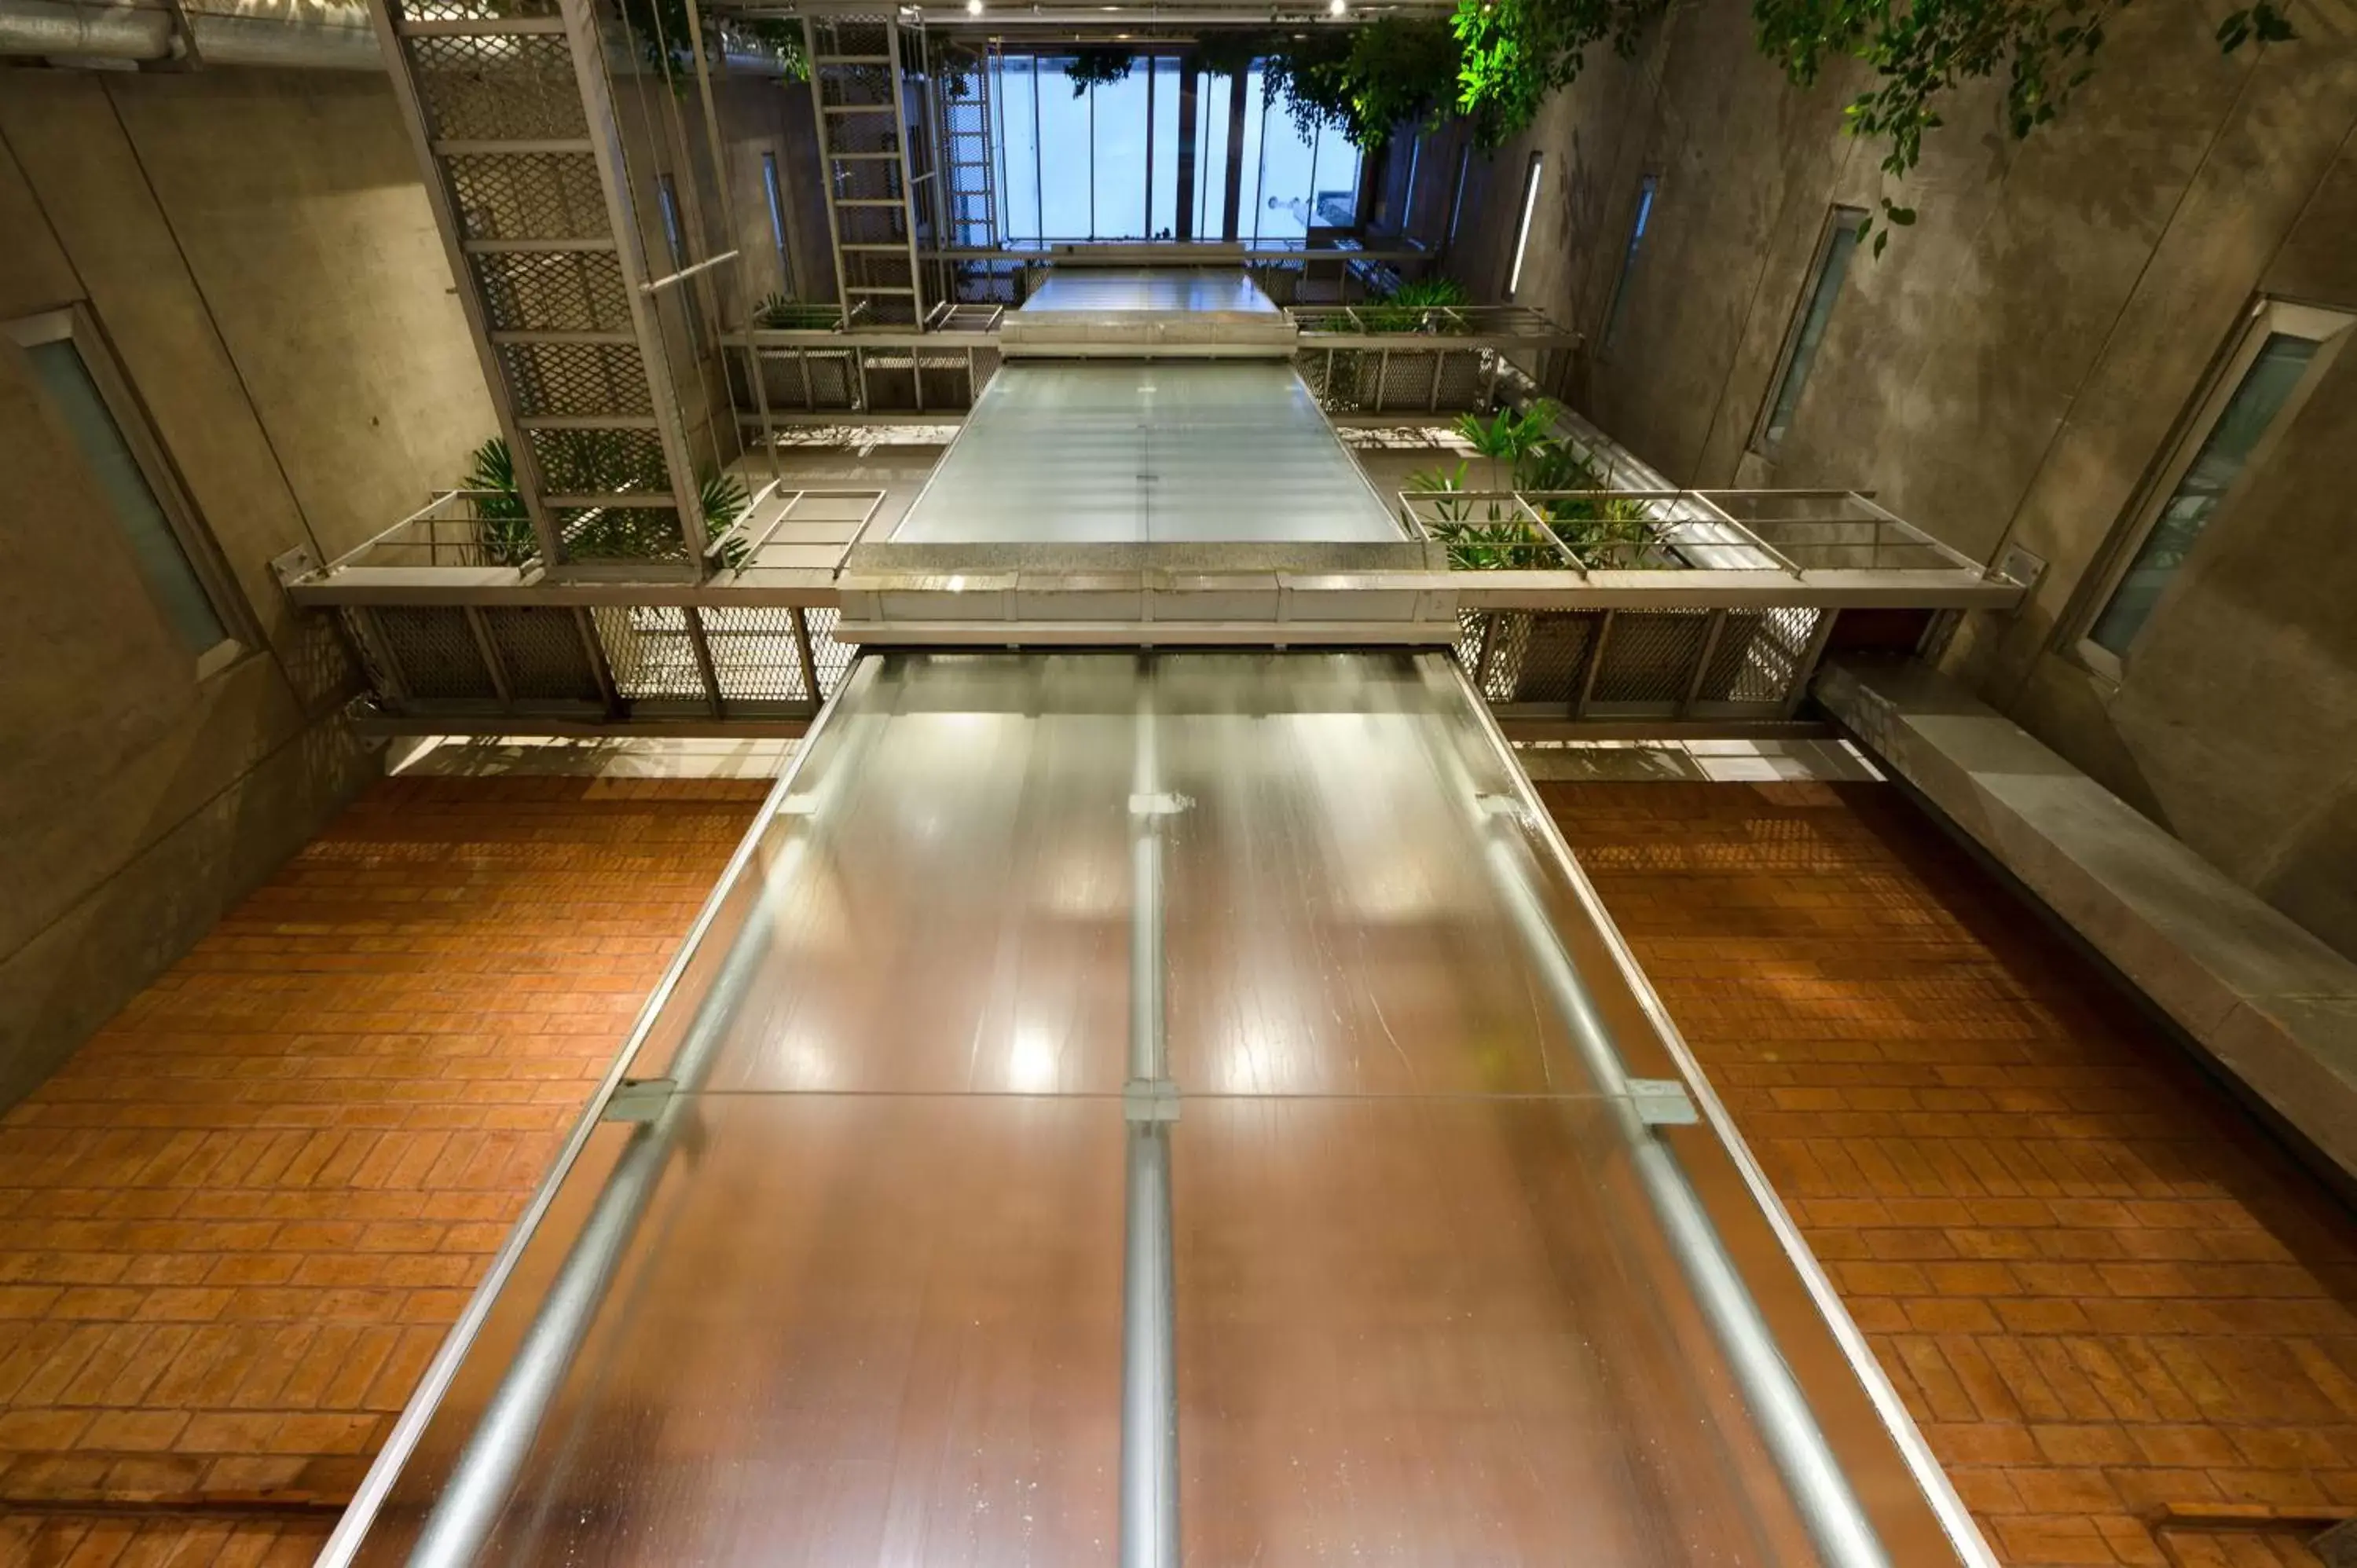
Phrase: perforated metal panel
pixel 506 87
pixel 540 650
pixel 834 658
pixel 473 10
pixel 755 658
pixel 435 651
pixel 599 462
pixel 526 196
pixel 1758 656
pixel 1649 659
pixel 621 532
pixel 652 658
pixel 553 291
pixel 577 379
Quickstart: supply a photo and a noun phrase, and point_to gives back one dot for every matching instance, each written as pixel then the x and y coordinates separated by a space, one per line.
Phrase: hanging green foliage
pixel 1098 68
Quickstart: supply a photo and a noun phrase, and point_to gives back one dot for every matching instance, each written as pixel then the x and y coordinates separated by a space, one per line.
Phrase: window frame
pixel 773 194
pixel 1838 216
pixel 74 324
pixel 2329 328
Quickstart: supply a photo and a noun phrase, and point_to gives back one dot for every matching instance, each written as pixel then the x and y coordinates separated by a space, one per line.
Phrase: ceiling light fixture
pixel 974 7
pixel 1336 7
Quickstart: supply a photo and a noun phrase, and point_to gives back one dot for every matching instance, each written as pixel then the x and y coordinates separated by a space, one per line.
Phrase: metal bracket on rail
pixel 640 1099
pixel 1149 1100
pixel 1662 1102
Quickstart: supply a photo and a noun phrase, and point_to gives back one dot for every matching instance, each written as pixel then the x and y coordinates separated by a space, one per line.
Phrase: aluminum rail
pixel 1821 1493
pixel 1149 1301
pixel 465 1516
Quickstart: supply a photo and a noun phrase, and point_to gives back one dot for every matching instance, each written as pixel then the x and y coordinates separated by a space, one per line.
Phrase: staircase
pixel 511 104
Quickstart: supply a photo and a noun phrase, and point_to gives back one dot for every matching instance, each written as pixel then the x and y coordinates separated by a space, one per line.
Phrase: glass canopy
pixel 1130 1106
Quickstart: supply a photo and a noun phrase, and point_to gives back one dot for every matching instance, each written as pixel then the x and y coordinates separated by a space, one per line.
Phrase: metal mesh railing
pixel 1675 663
pixel 526 196
pixel 553 291
pixel 576 380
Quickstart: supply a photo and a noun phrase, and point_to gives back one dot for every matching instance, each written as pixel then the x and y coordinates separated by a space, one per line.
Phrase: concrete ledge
pixel 2275 1007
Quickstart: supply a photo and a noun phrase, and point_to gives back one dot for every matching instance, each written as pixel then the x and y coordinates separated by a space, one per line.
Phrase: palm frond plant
pixel 505 531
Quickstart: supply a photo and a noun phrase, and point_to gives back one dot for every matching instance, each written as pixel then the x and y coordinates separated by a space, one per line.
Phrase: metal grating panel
pixel 1759 655
pixel 833 657
pixel 825 379
pixel 540 649
pixel 652 660
pixel 619 533
pixel 754 656
pixel 850 36
pixel 862 134
pixel 1405 381
pixel 508 87
pixel 563 291
pixel 576 379
pixel 872 225
pixel 1649 659
pixel 437 651
pixel 1465 378
pixel 867 179
pixel 474 10
pixel 599 462
pixel 854 86
pixel 527 196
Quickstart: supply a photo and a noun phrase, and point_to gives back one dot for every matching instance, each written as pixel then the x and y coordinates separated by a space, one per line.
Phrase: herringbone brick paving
pixel 2097 1287
pixel 233 1227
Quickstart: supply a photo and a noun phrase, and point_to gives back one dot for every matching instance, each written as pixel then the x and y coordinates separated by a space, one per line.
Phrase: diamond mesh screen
pixel 872 225
pixel 561 290
pixel 1405 380
pixel 510 87
pixel 541 651
pixel 1758 656
pixel 866 180
pixel 863 133
pixel 1465 378
pixel 866 85
pixel 527 196
pixel 754 656
pixel 619 533
pixel 435 651
pixel 810 381
pixel 474 10
pixel 833 657
pixel 576 379
pixel 652 661
pixel 850 36
pixel 1554 655
pixel 1649 659
pixel 599 462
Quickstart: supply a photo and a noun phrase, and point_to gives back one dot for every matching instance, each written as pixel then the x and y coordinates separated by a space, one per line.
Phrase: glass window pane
pixel 1162 220
pixel 1628 262
pixel 2266 387
pixel 162 558
pixel 1018 186
pixel 1065 191
pixel 1822 294
pixel 1212 97
pixel 1120 169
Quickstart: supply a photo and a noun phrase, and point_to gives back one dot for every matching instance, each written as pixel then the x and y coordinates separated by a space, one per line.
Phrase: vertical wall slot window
pixel 674 240
pixel 1522 226
pixel 777 200
pixel 70 364
pixel 1835 246
pixel 1456 193
pixel 2281 352
pixel 1645 215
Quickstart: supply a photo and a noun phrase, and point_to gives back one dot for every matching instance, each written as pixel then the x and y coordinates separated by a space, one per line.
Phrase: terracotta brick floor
pixel 233 1227
pixel 2097 1288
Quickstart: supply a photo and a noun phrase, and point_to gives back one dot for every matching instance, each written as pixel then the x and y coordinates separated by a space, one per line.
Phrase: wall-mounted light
pixel 1336 7
pixel 974 7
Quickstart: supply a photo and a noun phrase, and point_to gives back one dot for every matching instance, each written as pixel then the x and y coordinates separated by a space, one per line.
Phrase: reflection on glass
pixel 162 560
pixel 2258 398
pixel 1839 248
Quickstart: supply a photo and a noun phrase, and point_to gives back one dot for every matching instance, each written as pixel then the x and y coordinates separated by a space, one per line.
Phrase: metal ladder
pixel 859 90
pixel 510 104
pixel 964 137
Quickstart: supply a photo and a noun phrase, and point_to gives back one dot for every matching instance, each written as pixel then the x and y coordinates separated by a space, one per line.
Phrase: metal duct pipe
pixel 137 33
pixel 53 27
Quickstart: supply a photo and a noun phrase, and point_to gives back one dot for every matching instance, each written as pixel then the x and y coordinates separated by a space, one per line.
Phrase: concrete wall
pixel 257 248
pixel 2012 372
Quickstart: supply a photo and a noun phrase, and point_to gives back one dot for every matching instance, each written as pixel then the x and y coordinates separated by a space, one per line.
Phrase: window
pixel 676 243
pixel 1522 230
pixel 1645 188
pixel 2276 358
pixel 1456 194
pixel 777 222
pixel 70 364
pixel 1835 246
